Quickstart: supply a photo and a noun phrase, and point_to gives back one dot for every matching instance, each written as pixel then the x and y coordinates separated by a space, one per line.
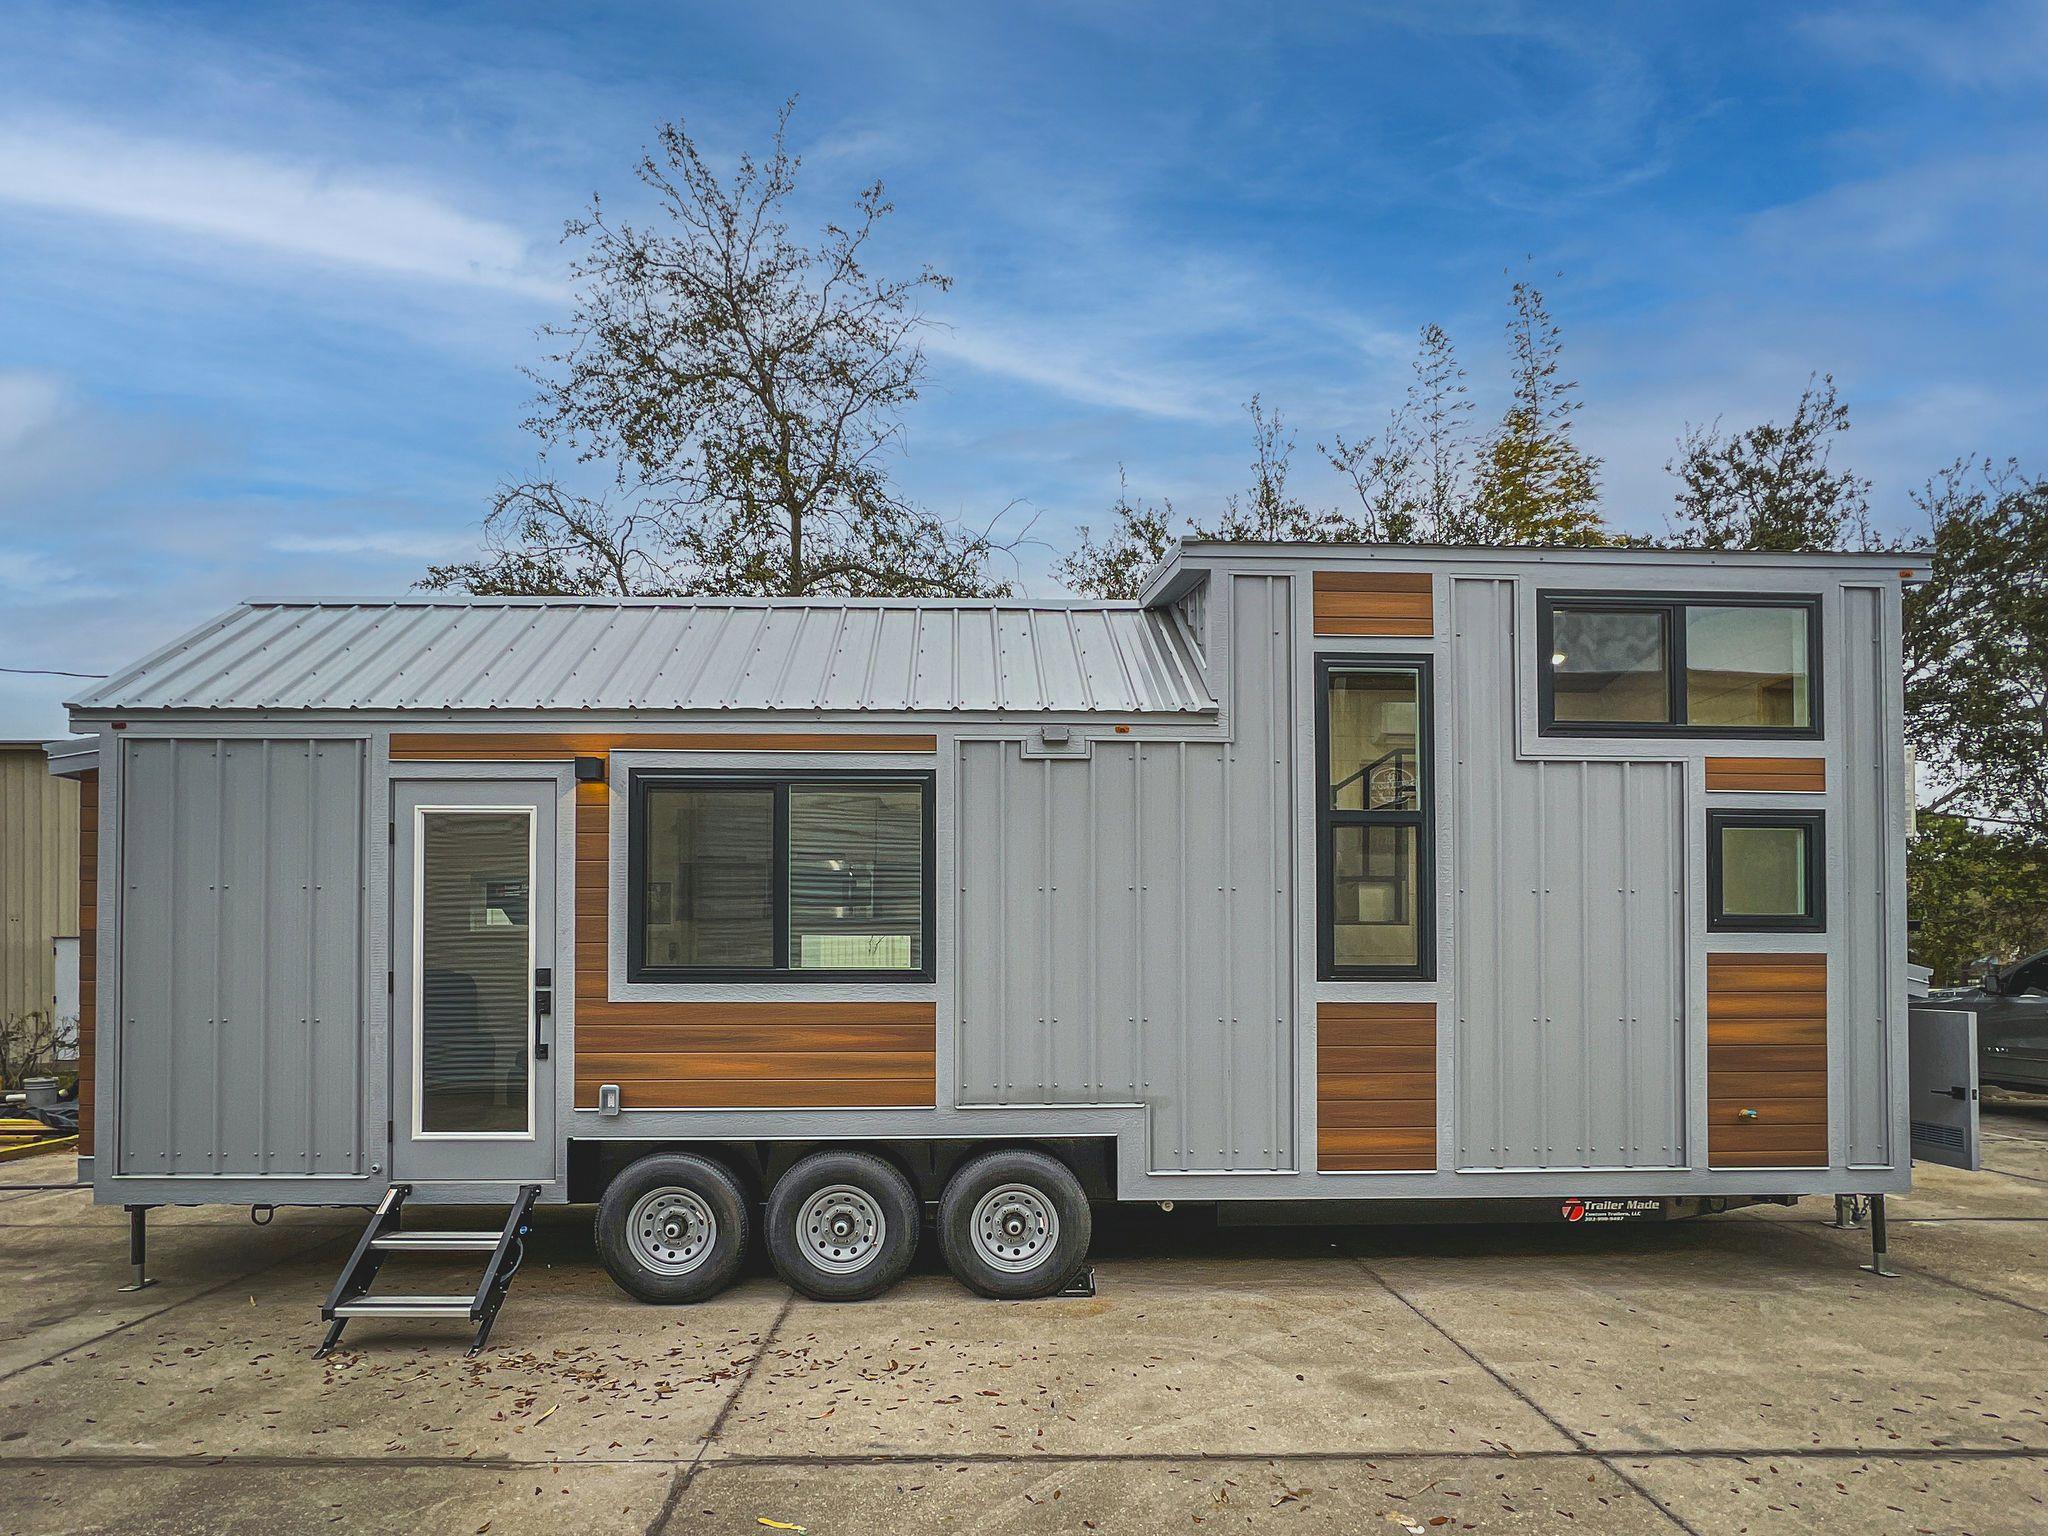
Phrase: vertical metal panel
pixel 38 877
pixel 241 931
pixel 1863 832
pixel 1124 920
pixel 1570 969
pixel 1194 613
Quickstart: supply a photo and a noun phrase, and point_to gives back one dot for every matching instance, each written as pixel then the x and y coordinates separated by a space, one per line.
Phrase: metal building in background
pixel 38 893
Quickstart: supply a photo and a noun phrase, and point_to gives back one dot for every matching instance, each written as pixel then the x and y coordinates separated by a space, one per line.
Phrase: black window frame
pixel 1422 818
pixel 1814 824
pixel 1672 606
pixel 780 781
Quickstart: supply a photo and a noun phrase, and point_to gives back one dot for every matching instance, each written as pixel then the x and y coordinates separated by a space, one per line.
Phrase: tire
pixel 842 1226
pixel 1015 1224
pixel 673 1228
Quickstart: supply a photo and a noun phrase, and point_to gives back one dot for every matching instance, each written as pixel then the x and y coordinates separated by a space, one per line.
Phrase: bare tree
pixel 1535 484
pixel 1140 535
pixel 28 1043
pixel 1413 480
pixel 1268 512
pixel 1772 487
pixel 742 393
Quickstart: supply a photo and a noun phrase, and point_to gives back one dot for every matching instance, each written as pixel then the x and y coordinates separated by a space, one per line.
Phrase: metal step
pixel 406 1306
pixel 436 1242
pixel 384 1236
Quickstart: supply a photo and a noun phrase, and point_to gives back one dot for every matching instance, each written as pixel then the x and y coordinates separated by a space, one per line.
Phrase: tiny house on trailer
pixel 1318 874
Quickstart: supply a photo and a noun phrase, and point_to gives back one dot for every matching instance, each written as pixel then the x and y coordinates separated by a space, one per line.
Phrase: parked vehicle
pixel 1317 876
pixel 2011 1005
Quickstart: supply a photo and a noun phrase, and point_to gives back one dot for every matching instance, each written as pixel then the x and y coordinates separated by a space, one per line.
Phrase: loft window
pixel 1706 666
pixel 1765 872
pixel 1373 816
pixel 800 877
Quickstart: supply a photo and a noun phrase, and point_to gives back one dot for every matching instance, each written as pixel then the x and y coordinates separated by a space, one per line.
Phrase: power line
pixel 48 672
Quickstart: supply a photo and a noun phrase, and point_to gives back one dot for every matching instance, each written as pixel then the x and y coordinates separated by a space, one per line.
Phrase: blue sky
pixel 268 274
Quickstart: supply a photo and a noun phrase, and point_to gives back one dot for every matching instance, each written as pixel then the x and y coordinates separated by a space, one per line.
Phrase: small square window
pixel 1765 872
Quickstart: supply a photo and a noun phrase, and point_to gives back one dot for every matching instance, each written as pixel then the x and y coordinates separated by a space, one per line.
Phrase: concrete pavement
pixel 1735 1374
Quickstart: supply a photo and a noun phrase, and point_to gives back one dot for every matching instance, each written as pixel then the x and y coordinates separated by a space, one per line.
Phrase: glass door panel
pixel 476 972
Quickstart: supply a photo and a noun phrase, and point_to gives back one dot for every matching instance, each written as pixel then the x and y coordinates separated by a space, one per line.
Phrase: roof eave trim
pixel 73 757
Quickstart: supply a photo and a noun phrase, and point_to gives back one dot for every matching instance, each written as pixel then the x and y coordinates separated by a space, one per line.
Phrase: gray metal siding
pixel 575 654
pixel 1570 931
pixel 1124 924
pixel 1862 831
pixel 241 1035
pixel 1194 615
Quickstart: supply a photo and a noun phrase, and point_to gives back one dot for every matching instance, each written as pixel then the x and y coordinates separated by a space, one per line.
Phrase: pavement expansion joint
pixel 686 1474
pixel 400 1461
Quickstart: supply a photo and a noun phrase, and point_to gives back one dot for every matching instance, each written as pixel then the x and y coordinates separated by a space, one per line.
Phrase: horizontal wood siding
pixel 731 1055
pixel 1778 775
pixel 547 746
pixel 1374 603
pixel 1375 1087
pixel 88 950
pixel 1767 1050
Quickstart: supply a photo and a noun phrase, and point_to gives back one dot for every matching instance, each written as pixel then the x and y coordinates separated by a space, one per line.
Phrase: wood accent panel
pixel 784 1093
pixel 88 951
pixel 1780 775
pixel 1767 1051
pixel 1375 1087
pixel 1373 603
pixel 553 746
pixel 730 1055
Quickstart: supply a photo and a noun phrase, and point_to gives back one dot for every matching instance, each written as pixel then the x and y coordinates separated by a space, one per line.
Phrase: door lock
pixel 543 1005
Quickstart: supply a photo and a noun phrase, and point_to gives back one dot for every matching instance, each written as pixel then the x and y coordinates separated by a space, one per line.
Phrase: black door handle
pixel 543 1005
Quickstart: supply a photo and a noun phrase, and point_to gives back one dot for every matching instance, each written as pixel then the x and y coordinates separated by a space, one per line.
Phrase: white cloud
pixel 27 570
pixel 1909 223
pixel 399 546
pixel 336 215
pixel 1068 369
pixel 57 446
pixel 29 404
pixel 2002 45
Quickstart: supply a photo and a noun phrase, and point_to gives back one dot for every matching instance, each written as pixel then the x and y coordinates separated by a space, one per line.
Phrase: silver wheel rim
pixel 671 1231
pixel 1015 1228
pixel 841 1229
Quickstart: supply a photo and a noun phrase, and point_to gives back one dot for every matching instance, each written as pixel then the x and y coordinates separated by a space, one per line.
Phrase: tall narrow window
pixel 1374 814
pixel 798 876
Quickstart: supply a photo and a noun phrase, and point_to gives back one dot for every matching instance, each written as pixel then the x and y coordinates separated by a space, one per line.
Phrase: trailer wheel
pixel 842 1226
pixel 673 1227
pixel 1014 1224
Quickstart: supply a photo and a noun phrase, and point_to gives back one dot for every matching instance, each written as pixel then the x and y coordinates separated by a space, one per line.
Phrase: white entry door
pixel 473 956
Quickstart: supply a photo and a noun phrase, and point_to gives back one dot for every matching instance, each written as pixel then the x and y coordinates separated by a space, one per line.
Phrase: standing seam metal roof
pixel 565 654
